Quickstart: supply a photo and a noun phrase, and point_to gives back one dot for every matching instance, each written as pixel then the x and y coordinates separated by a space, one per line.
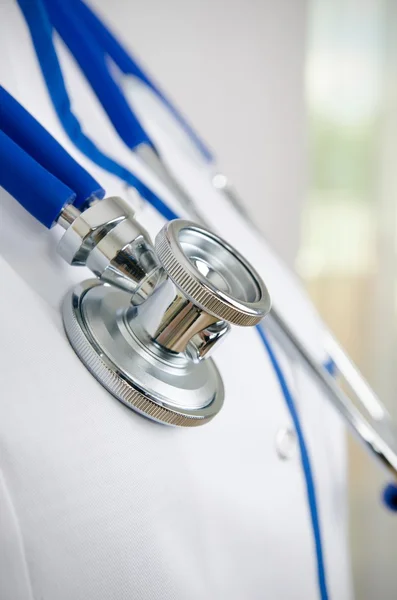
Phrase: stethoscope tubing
pixel 36 169
pixel 376 431
pixel 129 65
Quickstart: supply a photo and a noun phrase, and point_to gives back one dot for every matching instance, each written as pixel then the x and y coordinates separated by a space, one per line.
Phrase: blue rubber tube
pixel 305 461
pixel 28 134
pixel 37 190
pixel 390 497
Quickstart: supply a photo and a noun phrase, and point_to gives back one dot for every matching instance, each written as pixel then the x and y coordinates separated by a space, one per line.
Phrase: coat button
pixel 286 443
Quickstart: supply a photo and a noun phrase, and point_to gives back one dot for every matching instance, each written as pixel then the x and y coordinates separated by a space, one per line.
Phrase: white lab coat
pixel 98 503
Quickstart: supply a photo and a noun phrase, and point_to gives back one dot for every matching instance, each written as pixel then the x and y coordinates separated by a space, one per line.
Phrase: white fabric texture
pixel 97 503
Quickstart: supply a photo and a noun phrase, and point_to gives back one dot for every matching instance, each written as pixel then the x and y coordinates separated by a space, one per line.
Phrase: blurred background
pixel 299 100
pixel 348 244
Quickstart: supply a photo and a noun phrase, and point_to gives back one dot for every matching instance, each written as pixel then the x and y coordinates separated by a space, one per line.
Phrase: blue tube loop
pixel 130 66
pixel 92 60
pixel 40 29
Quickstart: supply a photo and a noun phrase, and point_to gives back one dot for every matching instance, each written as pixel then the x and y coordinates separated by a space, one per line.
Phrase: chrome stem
pixel 68 215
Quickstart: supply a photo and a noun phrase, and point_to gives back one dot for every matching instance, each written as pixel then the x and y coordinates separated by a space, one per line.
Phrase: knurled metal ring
pixel 196 286
pixel 109 375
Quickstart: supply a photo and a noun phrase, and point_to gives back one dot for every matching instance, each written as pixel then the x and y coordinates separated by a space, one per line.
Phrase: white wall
pixel 235 67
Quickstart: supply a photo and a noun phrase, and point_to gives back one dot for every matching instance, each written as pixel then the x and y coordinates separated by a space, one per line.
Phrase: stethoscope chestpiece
pixel 152 350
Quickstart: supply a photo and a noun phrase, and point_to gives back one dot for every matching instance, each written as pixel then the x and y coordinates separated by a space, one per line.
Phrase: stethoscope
pixel 171 302
pixel 147 326
pixel 94 47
